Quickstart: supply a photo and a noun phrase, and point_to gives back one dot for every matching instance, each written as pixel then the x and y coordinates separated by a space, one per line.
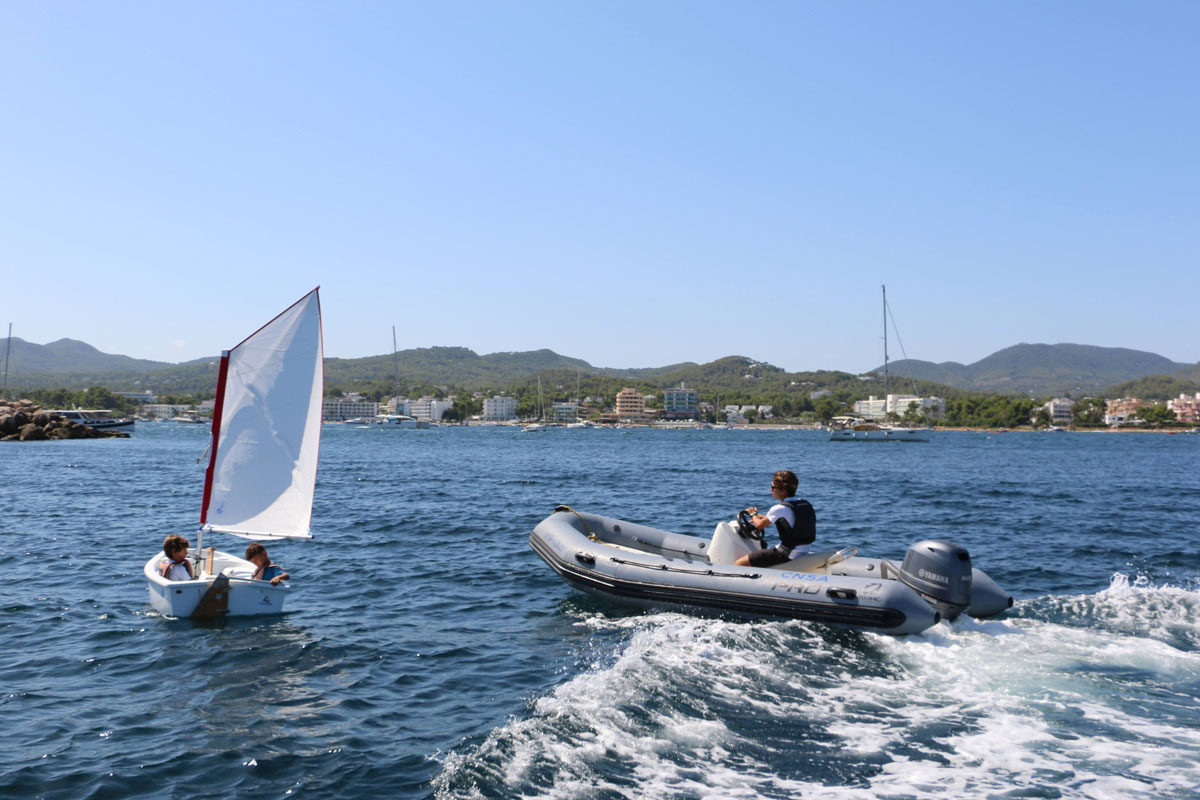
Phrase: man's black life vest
pixel 805 529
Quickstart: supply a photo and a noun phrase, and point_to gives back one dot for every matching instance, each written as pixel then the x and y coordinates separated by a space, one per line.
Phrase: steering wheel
pixel 746 527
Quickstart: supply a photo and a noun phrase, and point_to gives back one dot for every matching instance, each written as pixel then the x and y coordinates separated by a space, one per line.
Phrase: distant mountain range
pixel 1043 369
pixel 1025 369
pixel 72 355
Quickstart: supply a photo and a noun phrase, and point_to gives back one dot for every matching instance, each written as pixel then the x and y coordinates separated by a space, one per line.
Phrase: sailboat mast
pixel 396 362
pixel 885 354
pixel 7 347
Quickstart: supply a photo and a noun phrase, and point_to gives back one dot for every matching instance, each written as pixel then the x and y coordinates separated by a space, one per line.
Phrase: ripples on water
pixel 428 652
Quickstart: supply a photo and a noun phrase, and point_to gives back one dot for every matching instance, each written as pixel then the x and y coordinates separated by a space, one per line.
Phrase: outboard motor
pixel 941 572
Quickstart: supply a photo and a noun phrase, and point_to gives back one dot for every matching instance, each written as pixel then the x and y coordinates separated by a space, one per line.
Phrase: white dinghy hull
pixel 227 590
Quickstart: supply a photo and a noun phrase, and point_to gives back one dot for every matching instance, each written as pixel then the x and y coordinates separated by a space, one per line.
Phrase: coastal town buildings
pixel 1186 407
pixel 1061 410
pixel 564 412
pixel 1123 411
pixel 871 408
pixel 499 408
pixel 680 403
pixel 398 405
pixel 631 406
pixel 879 408
pixel 429 408
pixel 351 406
pixel 165 410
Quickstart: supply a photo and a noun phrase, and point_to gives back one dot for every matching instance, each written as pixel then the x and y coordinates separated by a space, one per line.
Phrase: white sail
pixel 266 429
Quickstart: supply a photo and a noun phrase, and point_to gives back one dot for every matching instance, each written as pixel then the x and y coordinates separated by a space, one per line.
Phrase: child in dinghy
pixel 175 567
pixel 267 570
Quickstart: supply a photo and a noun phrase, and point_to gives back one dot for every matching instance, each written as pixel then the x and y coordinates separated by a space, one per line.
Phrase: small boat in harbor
pixel 650 567
pixel 862 431
pixel 869 431
pixel 539 425
pixel 100 418
pixel 390 421
pixel 262 466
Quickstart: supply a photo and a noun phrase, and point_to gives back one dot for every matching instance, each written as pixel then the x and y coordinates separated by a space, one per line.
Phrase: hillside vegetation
pixel 1043 369
pixel 1022 371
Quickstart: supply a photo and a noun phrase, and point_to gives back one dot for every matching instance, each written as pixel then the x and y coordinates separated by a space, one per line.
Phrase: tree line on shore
pixel 793 402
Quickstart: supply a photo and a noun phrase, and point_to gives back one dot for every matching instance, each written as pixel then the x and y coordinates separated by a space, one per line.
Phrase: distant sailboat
pixel 7 348
pixel 395 421
pixel 540 425
pixel 262 467
pixel 882 431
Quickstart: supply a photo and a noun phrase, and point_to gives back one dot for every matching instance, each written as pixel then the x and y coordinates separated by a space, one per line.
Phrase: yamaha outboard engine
pixel 941 572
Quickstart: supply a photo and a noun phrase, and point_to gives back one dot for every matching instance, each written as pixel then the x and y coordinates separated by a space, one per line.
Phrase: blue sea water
pixel 427 652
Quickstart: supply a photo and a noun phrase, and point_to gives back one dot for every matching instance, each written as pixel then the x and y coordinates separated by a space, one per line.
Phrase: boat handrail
pixel 672 549
pixel 665 568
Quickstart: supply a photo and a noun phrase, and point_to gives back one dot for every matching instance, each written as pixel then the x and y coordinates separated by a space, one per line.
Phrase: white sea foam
pixel 976 708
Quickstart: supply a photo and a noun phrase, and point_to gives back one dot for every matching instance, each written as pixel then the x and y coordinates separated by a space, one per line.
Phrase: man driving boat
pixel 793 518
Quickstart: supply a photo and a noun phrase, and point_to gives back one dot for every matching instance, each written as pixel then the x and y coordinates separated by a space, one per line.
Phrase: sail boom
pixel 259 536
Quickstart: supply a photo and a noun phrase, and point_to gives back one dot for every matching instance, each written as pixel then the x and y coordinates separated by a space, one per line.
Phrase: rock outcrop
pixel 23 421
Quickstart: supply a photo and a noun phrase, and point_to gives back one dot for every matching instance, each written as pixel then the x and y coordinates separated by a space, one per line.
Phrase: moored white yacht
pixel 94 417
pixel 863 431
pixel 870 431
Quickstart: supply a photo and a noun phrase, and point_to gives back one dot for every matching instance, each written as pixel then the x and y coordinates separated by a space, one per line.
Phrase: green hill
pixel 1041 370
pixel 71 356
pixel 1028 370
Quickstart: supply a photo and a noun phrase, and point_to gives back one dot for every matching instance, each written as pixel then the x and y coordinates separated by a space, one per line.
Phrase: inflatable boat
pixel 651 567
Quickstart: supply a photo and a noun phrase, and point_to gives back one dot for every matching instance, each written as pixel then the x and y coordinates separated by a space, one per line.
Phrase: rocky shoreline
pixel 24 421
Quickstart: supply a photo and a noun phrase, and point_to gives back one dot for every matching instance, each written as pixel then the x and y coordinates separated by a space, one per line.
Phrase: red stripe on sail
pixel 218 407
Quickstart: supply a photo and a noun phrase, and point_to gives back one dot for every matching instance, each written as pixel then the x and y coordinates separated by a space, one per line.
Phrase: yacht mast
pixel 7 347
pixel 396 362
pixel 885 354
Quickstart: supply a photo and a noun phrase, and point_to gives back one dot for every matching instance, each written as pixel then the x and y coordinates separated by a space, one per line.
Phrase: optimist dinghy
pixel 651 567
pixel 262 467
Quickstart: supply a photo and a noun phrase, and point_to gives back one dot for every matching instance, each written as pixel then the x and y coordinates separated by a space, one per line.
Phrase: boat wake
pixel 1082 696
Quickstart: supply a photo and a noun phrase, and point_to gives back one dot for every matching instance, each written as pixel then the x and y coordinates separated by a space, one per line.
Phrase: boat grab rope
pixel 664 547
pixel 665 568
pixel 591 535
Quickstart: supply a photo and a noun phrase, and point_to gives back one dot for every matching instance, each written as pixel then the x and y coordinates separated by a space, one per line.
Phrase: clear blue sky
pixel 631 183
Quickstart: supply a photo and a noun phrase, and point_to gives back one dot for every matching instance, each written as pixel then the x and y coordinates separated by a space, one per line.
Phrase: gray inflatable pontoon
pixel 652 567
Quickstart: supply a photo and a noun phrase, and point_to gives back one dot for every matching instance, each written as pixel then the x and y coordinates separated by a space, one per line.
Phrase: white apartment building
pixel 1061 410
pixel 499 407
pixel 340 409
pixel 164 410
pixel 565 412
pixel 398 405
pixel 429 408
pixel 878 408
pixel 871 408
